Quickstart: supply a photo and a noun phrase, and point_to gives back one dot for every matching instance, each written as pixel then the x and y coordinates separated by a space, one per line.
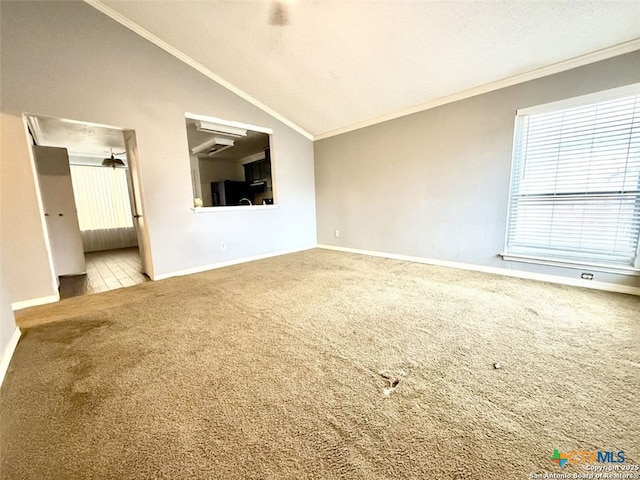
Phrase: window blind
pixel 575 187
pixel 104 207
pixel 102 197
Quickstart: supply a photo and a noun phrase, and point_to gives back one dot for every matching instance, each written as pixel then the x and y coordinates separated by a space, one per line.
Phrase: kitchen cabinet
pixel 258 177
pixel 259 170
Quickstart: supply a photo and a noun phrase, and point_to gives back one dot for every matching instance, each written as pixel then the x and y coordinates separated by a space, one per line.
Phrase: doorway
pixel 106 270
pixel 92 202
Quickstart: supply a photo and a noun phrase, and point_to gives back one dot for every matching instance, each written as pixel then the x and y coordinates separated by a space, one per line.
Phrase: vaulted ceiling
pixel 329 66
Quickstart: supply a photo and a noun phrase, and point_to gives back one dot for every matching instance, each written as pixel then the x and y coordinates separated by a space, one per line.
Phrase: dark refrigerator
pixel 230 192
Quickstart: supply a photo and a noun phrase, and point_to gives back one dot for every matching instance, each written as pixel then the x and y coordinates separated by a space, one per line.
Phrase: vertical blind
pixel 575 187
pixel 104 207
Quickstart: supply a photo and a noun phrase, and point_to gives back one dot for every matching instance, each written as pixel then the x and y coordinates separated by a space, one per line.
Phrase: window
pixel 230 163
pixel 104 207
pixel 575 185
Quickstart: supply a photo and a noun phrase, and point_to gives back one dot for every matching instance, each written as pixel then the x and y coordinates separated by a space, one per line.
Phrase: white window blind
pixel 104 207
pixel 575 187
pixel 102 197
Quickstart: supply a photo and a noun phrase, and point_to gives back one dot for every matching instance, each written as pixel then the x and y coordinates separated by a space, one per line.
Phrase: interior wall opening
pixel 231 164
pixel 91 203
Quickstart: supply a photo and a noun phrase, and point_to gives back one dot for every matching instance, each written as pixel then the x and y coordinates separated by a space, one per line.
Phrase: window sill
pixel 598 267
pixel 237 208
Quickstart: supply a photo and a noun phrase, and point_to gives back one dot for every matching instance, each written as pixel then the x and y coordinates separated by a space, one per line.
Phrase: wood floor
pixel 106 270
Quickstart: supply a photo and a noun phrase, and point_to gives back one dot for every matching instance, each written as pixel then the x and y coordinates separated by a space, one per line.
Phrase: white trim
pixel 575 62
pixel 575 282
pixel 562 66
pixel 228 123
pixel 517 137
pixel 618 270
pixel 214 266
pixel 43 222
pixel 36 116
pixel 234 208
pixel 34 302
pixel 583 100
pixel 131 25
pixel 8 353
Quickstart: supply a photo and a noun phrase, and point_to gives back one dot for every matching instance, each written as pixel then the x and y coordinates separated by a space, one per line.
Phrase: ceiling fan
pixel 113 161
pixel 279 15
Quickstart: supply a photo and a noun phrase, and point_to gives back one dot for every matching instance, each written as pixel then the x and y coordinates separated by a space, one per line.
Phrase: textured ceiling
pixel 339 63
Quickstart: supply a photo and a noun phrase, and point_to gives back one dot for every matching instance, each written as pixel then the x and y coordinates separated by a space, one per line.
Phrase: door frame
pixel 138 209
pixel 135 180
pixel 43 223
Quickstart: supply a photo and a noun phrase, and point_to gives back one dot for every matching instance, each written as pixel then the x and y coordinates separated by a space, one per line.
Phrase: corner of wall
pixel 7 353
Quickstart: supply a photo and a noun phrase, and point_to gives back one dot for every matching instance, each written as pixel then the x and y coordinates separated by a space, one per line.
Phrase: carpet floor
pixel 322 365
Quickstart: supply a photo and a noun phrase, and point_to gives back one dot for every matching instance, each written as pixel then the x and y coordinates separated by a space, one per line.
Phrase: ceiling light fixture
pixel 213 145
pixel 217 150
pixel 279 14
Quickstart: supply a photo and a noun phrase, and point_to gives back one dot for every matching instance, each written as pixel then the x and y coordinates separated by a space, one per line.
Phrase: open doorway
pixel 91 199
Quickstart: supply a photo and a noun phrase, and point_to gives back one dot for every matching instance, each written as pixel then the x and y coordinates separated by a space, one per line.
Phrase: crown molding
pixel 569 64
pixel 574 62
pixel 134 27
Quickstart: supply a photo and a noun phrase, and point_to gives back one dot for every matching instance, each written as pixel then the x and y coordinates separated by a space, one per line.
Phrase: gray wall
pixel 66 59
pixel 435 184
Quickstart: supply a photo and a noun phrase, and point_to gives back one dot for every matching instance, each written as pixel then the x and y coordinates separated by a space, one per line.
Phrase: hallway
pixel 106 270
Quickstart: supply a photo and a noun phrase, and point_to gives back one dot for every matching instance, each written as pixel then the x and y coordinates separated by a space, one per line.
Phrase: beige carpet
pixel 284 368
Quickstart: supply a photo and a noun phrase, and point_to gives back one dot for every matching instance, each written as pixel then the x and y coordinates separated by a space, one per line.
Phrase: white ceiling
pixel 341 63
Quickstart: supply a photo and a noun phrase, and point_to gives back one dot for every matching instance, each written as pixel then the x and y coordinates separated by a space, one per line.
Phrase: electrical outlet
pixel 337 233
pixel 223 246
pixel 587 276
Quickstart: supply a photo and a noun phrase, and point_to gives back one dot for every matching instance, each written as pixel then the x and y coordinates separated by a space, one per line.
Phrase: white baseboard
pixel 543 277
pixel 35 302
pixel 229 263
pixel 8 353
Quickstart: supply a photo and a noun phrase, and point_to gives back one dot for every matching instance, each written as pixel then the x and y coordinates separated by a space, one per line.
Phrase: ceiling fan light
pixel 112 162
